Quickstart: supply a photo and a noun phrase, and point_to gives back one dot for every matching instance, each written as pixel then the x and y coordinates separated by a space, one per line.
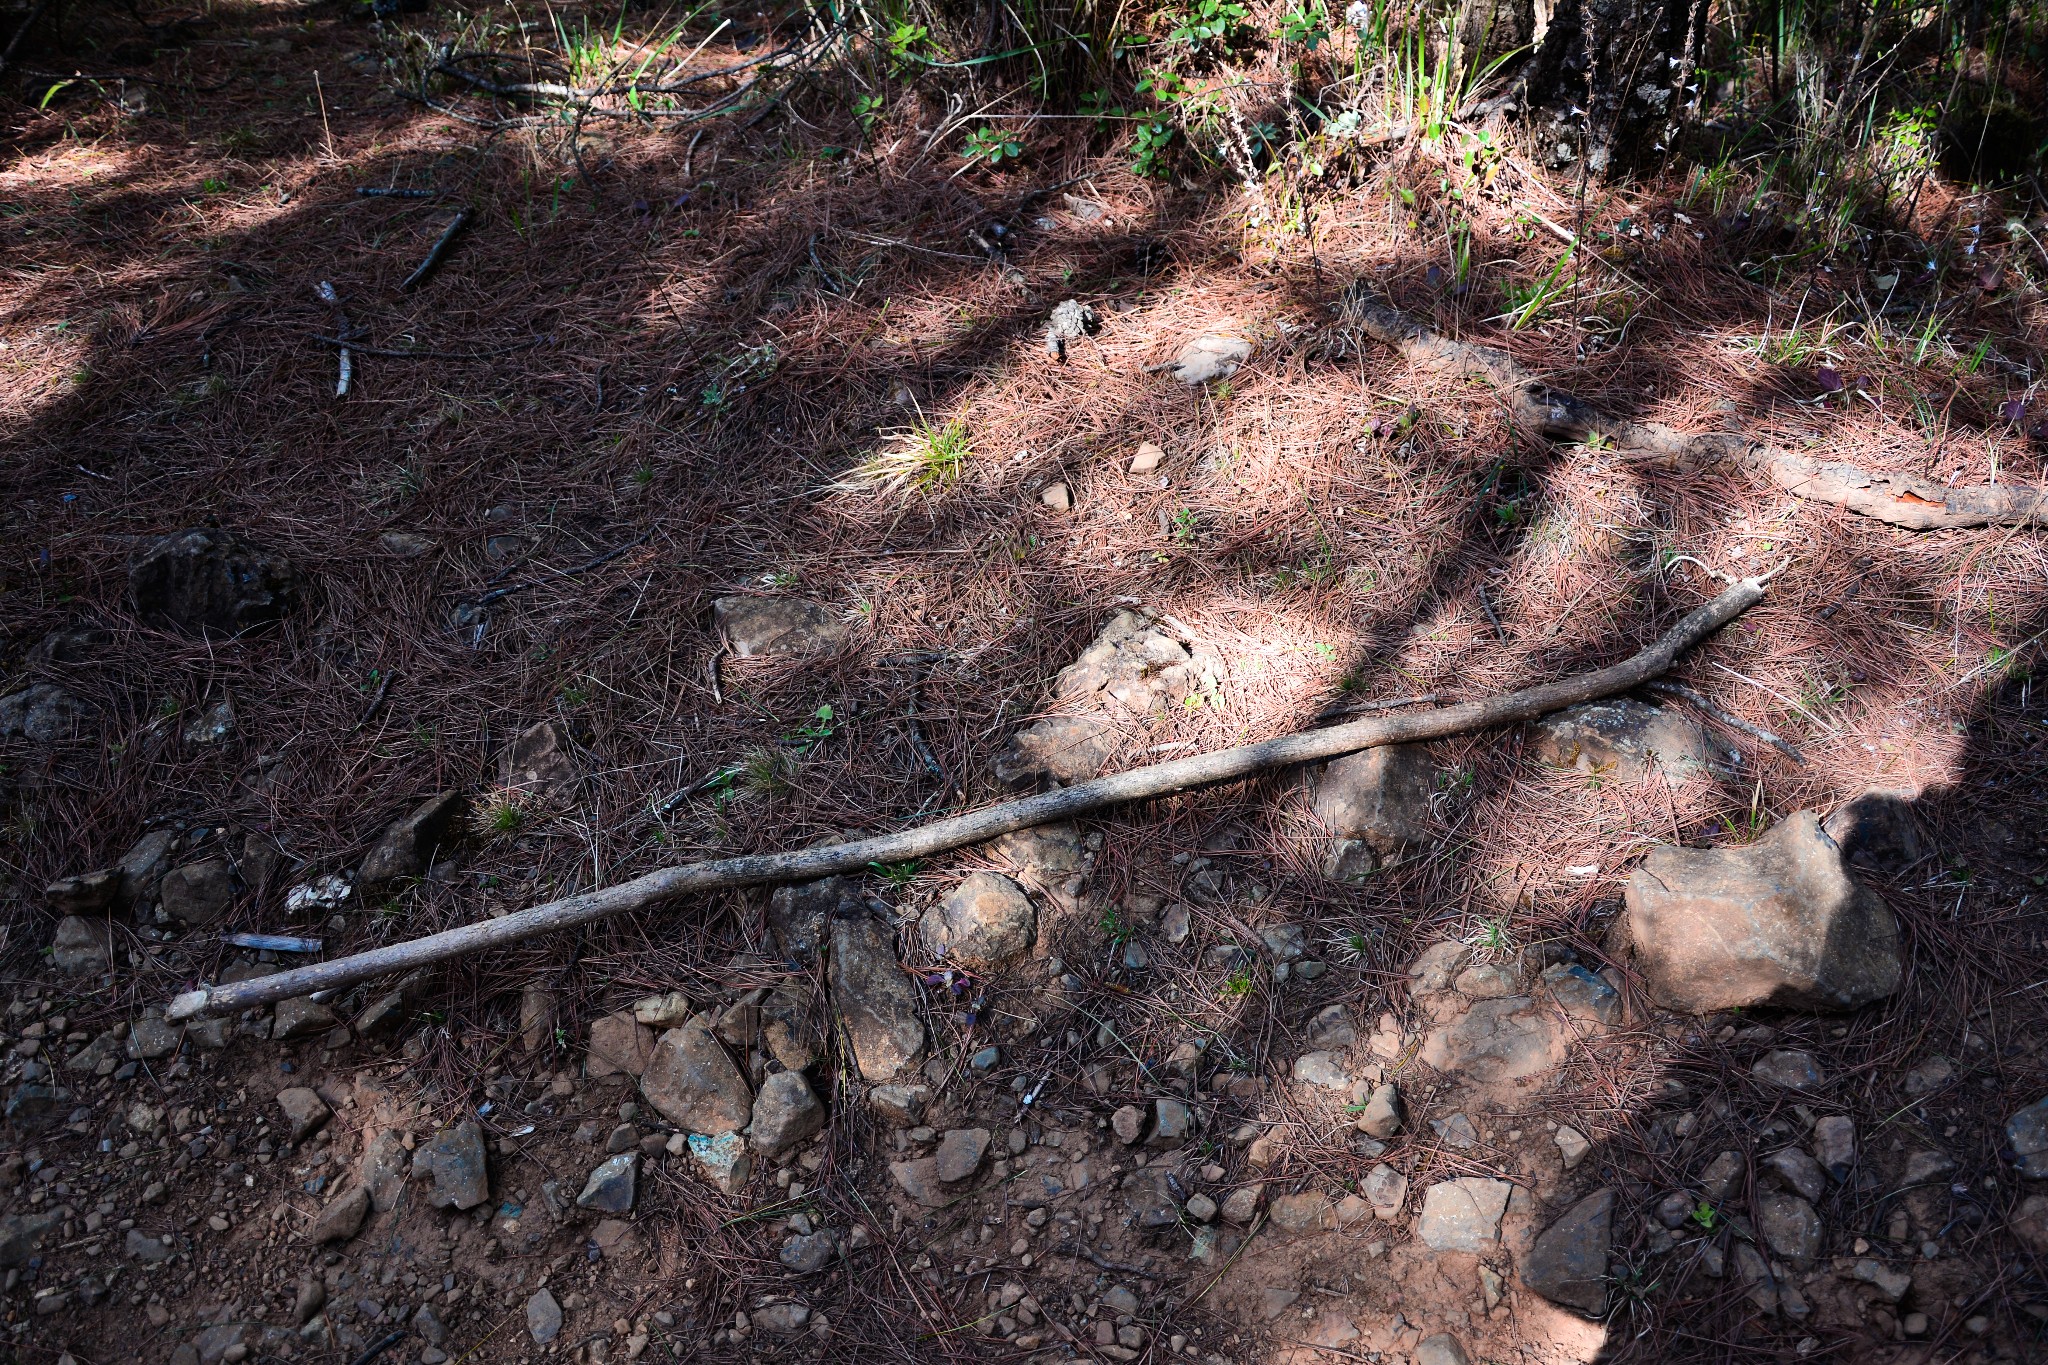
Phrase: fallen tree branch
pixel 1160 779
pixel 1900 499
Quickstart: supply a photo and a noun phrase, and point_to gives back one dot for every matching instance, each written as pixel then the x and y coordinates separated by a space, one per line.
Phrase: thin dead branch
pixel 1139 784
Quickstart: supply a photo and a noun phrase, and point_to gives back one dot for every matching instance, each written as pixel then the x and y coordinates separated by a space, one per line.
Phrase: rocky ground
pixel 1425 1171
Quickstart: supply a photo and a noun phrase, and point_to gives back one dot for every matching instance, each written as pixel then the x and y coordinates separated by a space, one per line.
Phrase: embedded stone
pixel 342 1218
pixel 875 999
pixel 304 1112
pixel 1878 830
pixel 692 1082
pixel 453 1162
pixel 541 760
pixel 199 893
pixel 1463 1214
pixel 619 1045
pixel 786 1112
pixel 1568 1262
pixel 960 1153
pixel 756 627
pixel 2026 1132
pixel 408 845
pixel 1379 798
pixel 207 581
pixel 1623 738
pixel 611 1186
pixel 1789 1225
pixel 985 921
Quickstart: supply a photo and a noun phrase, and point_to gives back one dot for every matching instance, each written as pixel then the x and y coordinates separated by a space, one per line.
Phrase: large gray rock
pixel 304 1112
pixel 142 867
pixel 985 921
pixel 692 1082
pixel 407 846
pixel 785 1113
pixel 211 581
pixel 610 1187
pixel 1878 830
pixel 1779 922
pixel 382 1170
pixel 543 1318
pixel 199 893
pixel 1441 1349
pixel 619 1045
pixel 875 1000
pixel 42 713
pixel 800 916
pixel 80 946
pixel 1623 738
pixel 1463 1214
pixel 453 1165
pixel 86 893
pixel 1064 748
pixel 2027 1134
pixel 1568 1263
pixel 1376 804
pixel 757 626
pixel 960 1153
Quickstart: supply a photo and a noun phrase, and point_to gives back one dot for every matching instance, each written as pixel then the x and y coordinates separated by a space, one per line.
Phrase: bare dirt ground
pixel 647 374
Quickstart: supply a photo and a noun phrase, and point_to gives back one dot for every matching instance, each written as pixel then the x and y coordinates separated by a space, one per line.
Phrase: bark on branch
pixel 1901 499
pixel 1160 779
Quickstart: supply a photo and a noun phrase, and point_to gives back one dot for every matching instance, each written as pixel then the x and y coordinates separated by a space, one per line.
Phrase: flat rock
pixel 800 916
pixel 786 1112
pixel 611 1186
pixel 543 1318
pixel 1878 830
pixel 1378 798
pixel 140 1246
pixel 1582 994
pixel 88 893
pixel 142 867
pixel 199 893
pixel 207 581
pixel 1568 1262
pixel 2029 1223
pixel 408 844
pixel 960 1153
pixel 670 1009
pixel 383 1169
pixel 342 1218
pixel 1172 1123
pixel 1779 922
pixel 2027 1134
pixel 620 1045
pixel 1788 1070
pixel 395 1008
pixel 1788 1224
pixel 691 1081
pixel 1623 738
pixel 1303 1213
pixel 876 1001
pixel 1331 1029
pixel 540 761
pixel 1043 855
pixel 150 1038
pixel 1322 1069
pixel 1065 748
pixel 1148 1193
pixel 1495 1041
pixel 1572 1146
pixel 985 921
pixel 304 1112
pixel 453 1163
pixel 1463 1214
pixel 755 627
pixel 301 1017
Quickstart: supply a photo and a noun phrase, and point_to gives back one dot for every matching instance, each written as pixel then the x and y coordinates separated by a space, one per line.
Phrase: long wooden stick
pixel 1898 498
pixel 669 883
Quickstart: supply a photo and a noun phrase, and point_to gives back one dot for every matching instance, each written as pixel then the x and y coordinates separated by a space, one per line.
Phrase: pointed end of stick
pixel 187 1006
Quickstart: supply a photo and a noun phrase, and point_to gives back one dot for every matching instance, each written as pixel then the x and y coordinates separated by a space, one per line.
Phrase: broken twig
pixel 1227 765
pixel 434 253
pixel 341 325
pixel 1729 719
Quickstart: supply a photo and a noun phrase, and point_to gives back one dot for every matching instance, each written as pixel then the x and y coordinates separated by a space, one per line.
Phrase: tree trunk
pixel 1613 77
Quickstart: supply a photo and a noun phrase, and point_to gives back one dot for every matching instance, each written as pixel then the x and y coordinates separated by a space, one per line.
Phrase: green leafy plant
pixel 899 876
pixel 1151 140
pixel 867 111
pixel 1114 926
pixel 1185 523
pixel 1238 984
pixel 1308 25
pixel 504 816
pixel 992 146
pixel 1704 1215
pixel 903 40
pixel 1207 23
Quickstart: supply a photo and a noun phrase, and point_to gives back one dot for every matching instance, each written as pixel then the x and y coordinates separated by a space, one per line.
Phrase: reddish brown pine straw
pixel 1333 525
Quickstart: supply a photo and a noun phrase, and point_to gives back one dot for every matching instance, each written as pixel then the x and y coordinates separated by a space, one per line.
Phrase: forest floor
pixel 661 367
